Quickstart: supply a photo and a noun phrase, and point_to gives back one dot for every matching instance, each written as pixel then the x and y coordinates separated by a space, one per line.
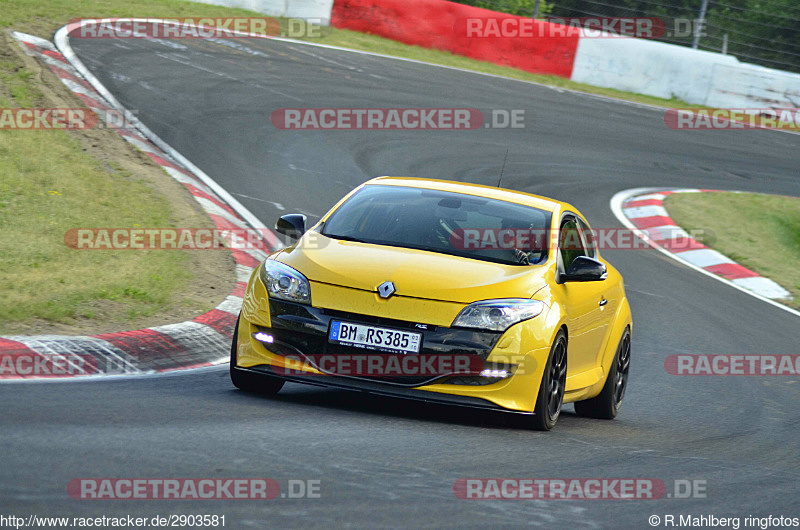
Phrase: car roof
pixel 518 197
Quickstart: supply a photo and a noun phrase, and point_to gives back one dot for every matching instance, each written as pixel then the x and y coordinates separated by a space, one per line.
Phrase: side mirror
pixel 292 225
pixel 585 269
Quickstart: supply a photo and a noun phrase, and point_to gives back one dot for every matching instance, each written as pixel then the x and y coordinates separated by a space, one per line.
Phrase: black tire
pixel 551 390
pixel 250 382
pixel 607 404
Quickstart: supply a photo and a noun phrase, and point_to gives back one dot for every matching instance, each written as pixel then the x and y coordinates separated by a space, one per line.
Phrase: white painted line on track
pixel 665 232
pixel 645 211
pixel 704 257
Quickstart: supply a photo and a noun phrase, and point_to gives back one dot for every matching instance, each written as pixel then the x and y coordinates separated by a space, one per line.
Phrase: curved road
pixel 384 462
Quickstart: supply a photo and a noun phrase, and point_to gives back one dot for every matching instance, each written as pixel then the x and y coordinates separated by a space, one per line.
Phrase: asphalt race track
pixel 385 462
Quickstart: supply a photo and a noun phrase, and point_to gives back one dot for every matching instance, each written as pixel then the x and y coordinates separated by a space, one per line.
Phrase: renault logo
pixel 386 289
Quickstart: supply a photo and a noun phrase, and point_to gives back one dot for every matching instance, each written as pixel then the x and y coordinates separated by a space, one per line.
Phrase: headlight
pixel 497 315
pixel 285 283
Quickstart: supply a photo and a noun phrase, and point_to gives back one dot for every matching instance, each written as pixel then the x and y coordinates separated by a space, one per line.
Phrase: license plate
pixel 374 338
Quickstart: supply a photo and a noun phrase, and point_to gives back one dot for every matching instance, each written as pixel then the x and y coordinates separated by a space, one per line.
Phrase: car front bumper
pixel 298 330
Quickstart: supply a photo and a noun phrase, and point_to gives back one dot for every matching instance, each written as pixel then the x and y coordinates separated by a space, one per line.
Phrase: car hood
pixel 415 273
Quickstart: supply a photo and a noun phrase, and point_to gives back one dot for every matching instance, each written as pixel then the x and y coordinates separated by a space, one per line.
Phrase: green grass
pixel 761 232
pixel 16 82
pixel 50 185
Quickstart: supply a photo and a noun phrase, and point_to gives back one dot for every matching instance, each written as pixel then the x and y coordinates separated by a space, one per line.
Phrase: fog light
pixel 500 374
pixel 264 337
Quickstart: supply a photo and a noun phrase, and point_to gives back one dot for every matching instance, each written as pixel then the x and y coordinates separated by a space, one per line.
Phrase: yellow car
pixel 445 292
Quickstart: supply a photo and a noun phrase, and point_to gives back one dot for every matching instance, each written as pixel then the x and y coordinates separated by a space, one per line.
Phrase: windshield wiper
pixel 345 238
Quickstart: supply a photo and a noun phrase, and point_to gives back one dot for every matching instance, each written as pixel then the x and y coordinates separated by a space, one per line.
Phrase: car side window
pixel 570 243
pixel 588 238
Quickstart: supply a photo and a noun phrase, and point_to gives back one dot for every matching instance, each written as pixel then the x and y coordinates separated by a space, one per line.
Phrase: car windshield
pixel 443 222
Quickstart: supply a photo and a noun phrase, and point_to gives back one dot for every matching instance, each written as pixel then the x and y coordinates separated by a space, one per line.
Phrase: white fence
pixel 697 77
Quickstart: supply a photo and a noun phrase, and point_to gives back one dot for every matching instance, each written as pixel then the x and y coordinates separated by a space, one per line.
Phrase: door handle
pixel 603 302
